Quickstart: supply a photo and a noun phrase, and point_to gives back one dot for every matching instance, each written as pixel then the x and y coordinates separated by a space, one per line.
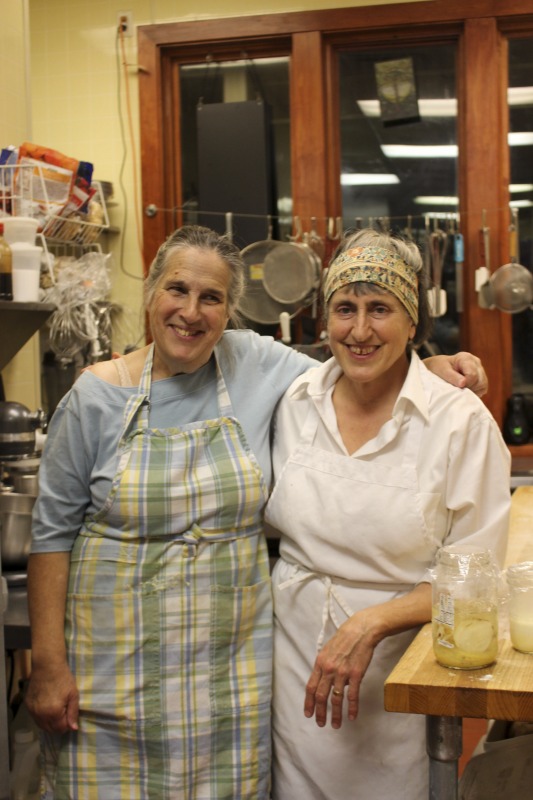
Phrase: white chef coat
pixel 359 530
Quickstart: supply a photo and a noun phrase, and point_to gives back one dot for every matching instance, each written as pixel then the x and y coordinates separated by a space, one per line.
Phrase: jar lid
pixel 464 558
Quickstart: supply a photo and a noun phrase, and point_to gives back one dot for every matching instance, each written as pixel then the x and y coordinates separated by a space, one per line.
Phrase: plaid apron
pixel 168 621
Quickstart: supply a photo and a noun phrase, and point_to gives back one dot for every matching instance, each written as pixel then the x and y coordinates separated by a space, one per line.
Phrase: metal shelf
pixel 18 323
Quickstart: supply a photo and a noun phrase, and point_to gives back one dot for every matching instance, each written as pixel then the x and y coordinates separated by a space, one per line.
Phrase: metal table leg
pixel 444 744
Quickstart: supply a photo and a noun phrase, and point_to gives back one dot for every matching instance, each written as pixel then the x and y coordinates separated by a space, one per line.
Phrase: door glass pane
pixel 399 157
pixel 520 98
pixel 265 82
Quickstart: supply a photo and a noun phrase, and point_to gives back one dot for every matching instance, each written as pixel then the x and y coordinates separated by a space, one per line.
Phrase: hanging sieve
pixel 291 273
pixel 257 305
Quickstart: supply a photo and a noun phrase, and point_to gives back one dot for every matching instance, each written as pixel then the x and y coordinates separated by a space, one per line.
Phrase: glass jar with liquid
pixel 465 608
pixel 520 583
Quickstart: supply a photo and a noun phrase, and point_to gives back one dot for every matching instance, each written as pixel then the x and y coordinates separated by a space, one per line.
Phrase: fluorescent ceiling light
pixel 420 151
pixel 435 200
pixel 444 150
pixel 520 139
pixel 445 107
pixel 521 203
pixel 520 95
pixel 368 178
pixel 227 65
pixel 514 188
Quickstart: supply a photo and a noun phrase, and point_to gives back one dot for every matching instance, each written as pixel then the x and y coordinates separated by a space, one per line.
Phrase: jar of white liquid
pixel 465 607
pixel 520 582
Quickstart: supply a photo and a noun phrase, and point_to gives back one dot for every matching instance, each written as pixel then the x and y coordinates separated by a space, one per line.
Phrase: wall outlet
pixel 125 23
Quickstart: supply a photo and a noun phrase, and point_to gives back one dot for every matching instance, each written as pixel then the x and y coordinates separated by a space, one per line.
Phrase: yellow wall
pixel 75 104
pixel 74 67
pixel 21 377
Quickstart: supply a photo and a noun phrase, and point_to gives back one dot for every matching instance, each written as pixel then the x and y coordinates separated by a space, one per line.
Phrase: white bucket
pixel 26 266
pixel 20 229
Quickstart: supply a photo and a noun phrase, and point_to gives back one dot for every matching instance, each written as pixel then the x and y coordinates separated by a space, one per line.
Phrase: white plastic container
pixel 25 774
pixel 520 581
pixel 26 272
pixel 20 229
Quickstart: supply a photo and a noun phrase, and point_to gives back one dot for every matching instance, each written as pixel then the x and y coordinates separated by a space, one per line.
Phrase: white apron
pixel 357 537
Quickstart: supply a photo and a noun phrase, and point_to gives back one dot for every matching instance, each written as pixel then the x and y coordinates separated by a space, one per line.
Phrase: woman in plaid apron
pixel 168 617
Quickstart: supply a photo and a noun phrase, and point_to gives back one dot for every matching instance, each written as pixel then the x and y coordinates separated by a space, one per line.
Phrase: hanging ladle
pixel 510 287
pixel 438 245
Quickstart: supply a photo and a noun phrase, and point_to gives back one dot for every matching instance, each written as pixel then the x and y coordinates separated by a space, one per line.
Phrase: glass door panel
pixel 263 82
pixel 398 112
pixel 520 99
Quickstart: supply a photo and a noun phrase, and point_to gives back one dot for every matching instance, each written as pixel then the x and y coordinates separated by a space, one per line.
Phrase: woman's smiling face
pixel 368 333
pixel 188 311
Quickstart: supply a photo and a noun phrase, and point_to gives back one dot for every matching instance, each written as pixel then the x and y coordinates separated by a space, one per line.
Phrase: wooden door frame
pixel 480 27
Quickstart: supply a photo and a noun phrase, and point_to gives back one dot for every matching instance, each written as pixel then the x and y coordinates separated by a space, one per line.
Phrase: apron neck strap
pixel 139 404
pixel 140 400
pixel 145 384
pixel 224 403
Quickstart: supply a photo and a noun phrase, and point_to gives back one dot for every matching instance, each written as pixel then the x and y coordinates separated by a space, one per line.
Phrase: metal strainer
pixel 291 273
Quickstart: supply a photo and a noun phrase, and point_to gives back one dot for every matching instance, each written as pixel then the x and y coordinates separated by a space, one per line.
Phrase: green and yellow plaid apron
pixel 168 621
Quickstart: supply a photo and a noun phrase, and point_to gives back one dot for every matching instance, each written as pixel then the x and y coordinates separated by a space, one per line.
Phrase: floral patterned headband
pixel 376 265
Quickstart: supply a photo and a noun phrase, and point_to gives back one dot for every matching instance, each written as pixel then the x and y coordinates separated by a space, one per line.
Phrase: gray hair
pixel 200 238
pixel 408 252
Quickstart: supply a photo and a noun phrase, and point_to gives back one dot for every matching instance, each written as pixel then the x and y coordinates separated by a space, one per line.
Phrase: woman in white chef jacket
pixel 378 464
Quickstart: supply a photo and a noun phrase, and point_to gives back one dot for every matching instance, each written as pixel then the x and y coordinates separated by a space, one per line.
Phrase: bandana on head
pixel 376 265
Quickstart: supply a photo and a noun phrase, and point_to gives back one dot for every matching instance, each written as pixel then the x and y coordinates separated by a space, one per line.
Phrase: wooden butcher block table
pixel 419 685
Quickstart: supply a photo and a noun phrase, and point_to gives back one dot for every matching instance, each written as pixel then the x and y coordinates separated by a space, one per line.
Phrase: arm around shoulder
pixel 463 370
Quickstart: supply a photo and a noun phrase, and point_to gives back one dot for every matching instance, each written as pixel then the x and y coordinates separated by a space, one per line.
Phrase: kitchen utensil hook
pixel 298 228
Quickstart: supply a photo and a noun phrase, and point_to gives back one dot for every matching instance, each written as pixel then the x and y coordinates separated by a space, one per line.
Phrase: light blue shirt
pixel 80 456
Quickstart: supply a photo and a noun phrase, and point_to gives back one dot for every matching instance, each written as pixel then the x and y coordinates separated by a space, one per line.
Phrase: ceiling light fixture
pixel 368 178
pixel 520 139
pixel 521 203
pixel 514 188
pixel 520 95
pixel 435 200
pixel 420 151
pixel 447 106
